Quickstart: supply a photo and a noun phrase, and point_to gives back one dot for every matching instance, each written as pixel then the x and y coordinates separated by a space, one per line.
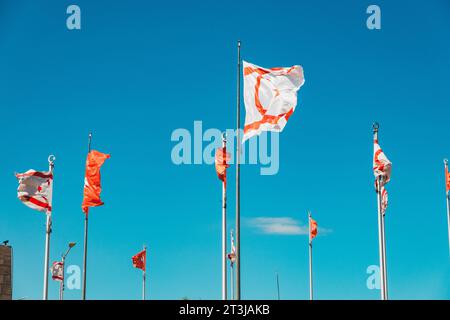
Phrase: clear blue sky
pixel 138 70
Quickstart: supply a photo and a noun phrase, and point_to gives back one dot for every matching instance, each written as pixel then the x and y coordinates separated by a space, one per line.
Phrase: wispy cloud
pixel 281 226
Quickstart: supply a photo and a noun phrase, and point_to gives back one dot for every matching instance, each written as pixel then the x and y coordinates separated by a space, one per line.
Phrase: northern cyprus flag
pixel 270 97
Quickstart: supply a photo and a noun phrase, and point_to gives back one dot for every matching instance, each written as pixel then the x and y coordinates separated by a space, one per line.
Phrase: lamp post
pixel 61 288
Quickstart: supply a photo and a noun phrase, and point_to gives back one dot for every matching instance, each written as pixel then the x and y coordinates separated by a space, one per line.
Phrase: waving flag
pixel 312 229
pixel 381 165
pixel 221 160
pixel 270 97
pixel 447 180
pixel 139 260
pixel 35 190
pixel 381 168
pixel 384 200
pixel 57 271
pixel 232 255
pixel 92 186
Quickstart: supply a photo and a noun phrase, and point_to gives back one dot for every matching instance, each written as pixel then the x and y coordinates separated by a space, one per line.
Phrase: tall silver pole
pixel 238 190
pixel 447 195
pixel 85 237
pixel 144 275
pixel 48 231
pixel 311 296
pixel 232 282
pixel 381 238
pixel 47 255
pixel 224 228
pixel 232 267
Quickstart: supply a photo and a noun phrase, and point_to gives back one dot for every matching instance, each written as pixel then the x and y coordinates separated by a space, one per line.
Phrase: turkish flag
pixel 313 229
pixel 139 260
pixel 447 180
pixel 92 186
pixel 221 162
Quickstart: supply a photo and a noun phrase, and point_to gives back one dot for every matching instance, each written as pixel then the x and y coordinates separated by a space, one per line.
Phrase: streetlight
pixel 61 287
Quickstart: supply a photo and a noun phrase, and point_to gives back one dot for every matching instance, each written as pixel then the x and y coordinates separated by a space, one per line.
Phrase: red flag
pixel 222 159
pixel 139 260
pixel 312 229
pixel 92 186
pixel 447 181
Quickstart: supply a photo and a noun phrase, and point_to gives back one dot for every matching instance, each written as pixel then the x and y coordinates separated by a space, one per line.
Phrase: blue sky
pixel 137 70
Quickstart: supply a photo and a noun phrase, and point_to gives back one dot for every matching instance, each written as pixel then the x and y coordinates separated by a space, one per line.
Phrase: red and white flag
pixel 35 190
pixel 382 167
pixel 139 260
pixel 232 255
pixel 57 271
pixel 221 161
pixel 270 97
pixel 384 200
pixel 381 164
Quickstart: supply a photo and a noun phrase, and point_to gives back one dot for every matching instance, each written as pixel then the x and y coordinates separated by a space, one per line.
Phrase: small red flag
pixel 312 229
pixel 222 159
pixel 92 186
pixel 139 260
pixel 447 180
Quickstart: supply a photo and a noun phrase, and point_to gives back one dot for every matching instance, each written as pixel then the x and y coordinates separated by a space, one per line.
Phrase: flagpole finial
pixel 239 43
pixel 445 161
pixel 375 126
pixel 51 159
pixel 224 137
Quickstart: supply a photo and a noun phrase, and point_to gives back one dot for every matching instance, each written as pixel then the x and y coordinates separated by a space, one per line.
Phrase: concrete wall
pixel 5 273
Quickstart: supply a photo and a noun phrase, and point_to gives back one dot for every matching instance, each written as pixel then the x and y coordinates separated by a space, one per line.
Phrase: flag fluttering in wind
pixel 270 97
pixel 139 260
pixel 221 161
pixel 92 185
pixel 57 271
pixel 312 229
pixel 447 180
pixel 382 170
pixel 35 190
pixel 232 255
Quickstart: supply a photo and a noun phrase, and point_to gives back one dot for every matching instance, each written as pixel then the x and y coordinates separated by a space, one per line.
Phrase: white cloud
pixel 281 226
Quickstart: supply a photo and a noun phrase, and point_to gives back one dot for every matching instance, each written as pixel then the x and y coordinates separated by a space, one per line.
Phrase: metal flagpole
pixel 311 297
pixel 85 236
pixel 447 194
pixel 231 281
pixel 224 226
pixel 48 231
pixel 143 274
pixel 47 255
pixel 63 261
pixel 381 238
pixel 278 287
pixel 238 190
pixel 232 268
